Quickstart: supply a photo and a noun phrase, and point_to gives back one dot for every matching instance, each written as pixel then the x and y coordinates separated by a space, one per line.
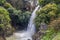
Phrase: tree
pixel 48 13
pixel 2 2
pixel 19 3
pixel 5 21
pixel 44 2
pixel 7 5
pixel 19 18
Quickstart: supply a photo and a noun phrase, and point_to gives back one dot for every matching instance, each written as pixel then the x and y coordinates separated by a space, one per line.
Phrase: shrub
pixel 5 20
pixel 19 18
pixel 55 24
pixel 44 2
pixel 53 29
pixel 2 2
pixel 7 5
pixel 46 14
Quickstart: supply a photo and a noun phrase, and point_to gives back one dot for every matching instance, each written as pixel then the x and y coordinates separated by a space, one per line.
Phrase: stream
pixel 27 34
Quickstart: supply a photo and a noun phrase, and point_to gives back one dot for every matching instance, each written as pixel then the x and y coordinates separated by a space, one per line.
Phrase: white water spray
pixel 31 25
pixel 27 35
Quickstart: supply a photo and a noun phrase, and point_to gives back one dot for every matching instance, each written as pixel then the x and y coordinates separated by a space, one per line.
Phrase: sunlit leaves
pixel 47 13
pixel 4 17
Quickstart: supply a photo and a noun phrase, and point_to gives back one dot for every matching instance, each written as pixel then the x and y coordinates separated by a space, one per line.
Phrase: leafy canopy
pixel 4 17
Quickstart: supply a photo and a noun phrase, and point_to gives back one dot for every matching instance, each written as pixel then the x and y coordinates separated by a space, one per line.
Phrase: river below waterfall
pixel 27 34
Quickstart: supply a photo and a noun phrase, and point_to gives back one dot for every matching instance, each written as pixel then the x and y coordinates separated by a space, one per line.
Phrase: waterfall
pixel 31 25
pixel 27 35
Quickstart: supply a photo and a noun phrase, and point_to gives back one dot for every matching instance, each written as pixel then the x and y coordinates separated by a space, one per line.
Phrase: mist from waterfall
pixel 27 35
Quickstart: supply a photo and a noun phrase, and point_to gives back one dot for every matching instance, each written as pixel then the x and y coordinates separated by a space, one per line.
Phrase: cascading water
pixel 27 35
pixel 31 25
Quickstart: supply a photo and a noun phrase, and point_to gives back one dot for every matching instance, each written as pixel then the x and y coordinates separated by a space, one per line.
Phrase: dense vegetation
pixel 11 19
pixel 50 15
pixel 15 14
pixel 20 4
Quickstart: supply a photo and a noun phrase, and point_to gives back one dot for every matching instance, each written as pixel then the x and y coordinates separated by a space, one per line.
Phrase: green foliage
pixel 18 17
pixel 53 30
pixel 7 5
pixel 57 1
pixel 49 35
pixel 24 17
pixel 2 1
pixel 4 14
pixel 46 14
pixel 5 20
pixel 55 24
pixel 57 37
pixel 44 2
pixel 49 13
pixel 19 4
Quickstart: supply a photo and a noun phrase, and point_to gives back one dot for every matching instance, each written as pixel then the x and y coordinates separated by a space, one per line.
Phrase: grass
pixel 57 37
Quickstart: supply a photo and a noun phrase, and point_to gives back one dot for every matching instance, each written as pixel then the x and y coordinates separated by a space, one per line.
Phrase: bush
pixel 7 5
pixel 57 1
pixel 46 14
pixel 44 2
pixel 2 2
pixel 4 13
pixel 53 29
pixel 49 35
pixel 55 24
pixel 5 20
pixel 57 37
pixel 19 18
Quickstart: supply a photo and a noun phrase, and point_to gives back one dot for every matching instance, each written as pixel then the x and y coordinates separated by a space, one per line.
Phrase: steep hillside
pixel 49 15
